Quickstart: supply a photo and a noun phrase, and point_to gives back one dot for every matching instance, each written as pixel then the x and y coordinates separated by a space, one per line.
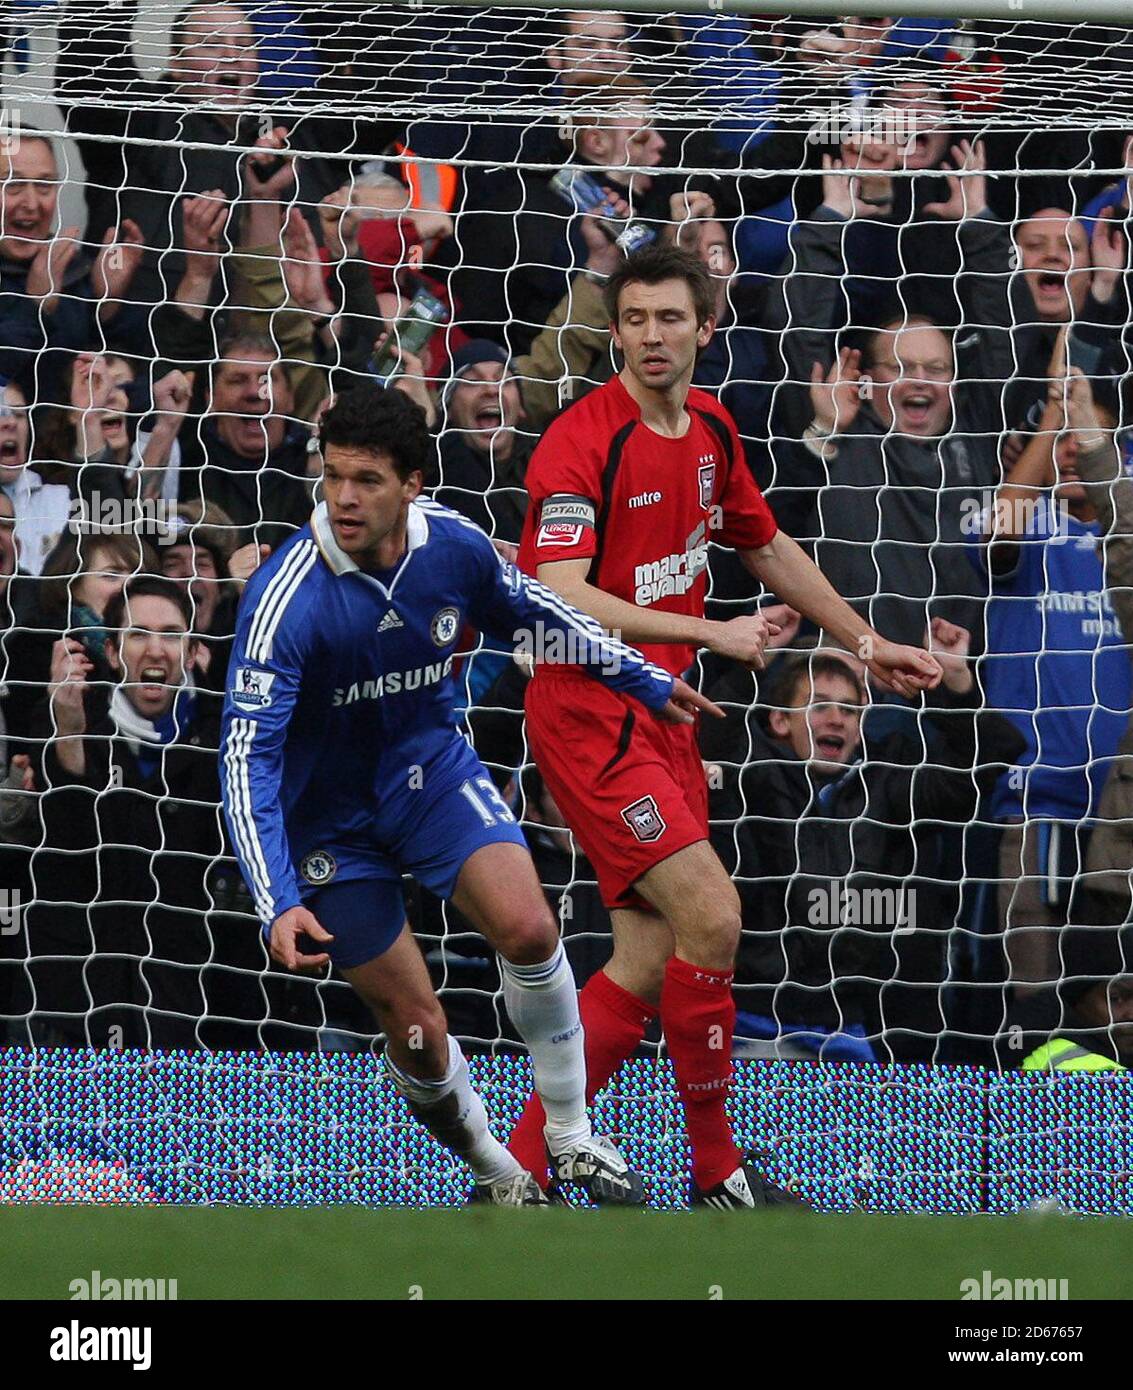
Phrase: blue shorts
pixel 364 915
pixel 354 889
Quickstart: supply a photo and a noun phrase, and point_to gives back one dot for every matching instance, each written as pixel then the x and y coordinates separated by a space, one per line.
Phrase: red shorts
pixel 632 789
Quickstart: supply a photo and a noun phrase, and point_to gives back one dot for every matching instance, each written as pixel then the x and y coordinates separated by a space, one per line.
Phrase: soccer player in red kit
pixel 628 486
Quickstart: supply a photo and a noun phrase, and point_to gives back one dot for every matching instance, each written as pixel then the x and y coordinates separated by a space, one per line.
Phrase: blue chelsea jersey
pixel 340 685
pixel 1057 667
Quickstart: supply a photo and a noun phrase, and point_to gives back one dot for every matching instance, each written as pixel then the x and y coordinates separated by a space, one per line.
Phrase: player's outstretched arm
pixel 511 606
pixel 743 639
pixel 785 568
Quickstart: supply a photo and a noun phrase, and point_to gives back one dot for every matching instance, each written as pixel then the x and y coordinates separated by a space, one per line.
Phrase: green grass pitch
pixel 350 1252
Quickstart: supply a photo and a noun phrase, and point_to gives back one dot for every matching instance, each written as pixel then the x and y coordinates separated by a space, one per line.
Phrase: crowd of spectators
pixel 922 322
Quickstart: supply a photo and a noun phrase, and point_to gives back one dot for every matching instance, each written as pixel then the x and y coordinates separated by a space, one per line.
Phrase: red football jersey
pixel 642 507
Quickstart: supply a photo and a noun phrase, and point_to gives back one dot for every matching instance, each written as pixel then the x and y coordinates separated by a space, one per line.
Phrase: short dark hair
pixel 792 670
pixel 206 525
pixel 892 92
pixel 249 341
pixel 71 558
pixel 658 263
pixel 899 322
pixel 179 30
pixel 380 420
pixel 147 586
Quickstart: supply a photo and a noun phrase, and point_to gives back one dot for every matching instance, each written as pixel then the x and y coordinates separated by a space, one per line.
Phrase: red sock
pixel 614 1022
pixel 698 1015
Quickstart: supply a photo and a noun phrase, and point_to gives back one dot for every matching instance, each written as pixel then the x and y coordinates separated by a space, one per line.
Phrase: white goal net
pixel 215 217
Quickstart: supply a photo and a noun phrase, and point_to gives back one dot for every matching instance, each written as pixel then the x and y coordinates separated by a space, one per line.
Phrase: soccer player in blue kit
pixel 343 766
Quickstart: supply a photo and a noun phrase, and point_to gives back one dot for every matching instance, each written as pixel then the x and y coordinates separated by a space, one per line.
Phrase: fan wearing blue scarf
pixel 149 648
pixel 131 832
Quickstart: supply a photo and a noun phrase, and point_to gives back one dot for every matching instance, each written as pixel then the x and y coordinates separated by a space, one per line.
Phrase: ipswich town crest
pixel 707 475
pixel 644 819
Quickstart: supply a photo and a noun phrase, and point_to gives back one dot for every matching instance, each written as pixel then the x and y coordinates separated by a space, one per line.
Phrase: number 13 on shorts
pixel 488 804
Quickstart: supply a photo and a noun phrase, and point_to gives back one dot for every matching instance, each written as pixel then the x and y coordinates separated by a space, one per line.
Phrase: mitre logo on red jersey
pixel 707 475
pixel 645 499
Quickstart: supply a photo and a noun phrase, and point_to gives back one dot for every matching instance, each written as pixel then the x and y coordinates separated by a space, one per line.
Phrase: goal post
pixel 37 17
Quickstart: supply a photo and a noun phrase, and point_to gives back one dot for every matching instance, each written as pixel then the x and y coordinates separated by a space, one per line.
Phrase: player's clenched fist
pixel 743 639
pixel 288 930
pixel 906 670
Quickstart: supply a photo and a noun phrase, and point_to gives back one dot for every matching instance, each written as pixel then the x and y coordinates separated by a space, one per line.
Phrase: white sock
pixel 543 1003
pixel 452 1111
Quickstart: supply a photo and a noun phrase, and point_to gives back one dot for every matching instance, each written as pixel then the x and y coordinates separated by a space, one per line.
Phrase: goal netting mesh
pixel 213 218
